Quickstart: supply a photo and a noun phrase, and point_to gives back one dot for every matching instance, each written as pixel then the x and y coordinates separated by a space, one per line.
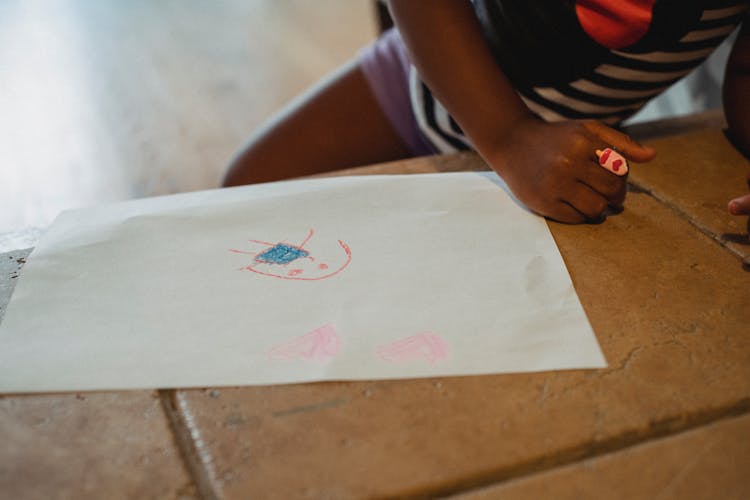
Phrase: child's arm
pixel 552 168
pixel 737 105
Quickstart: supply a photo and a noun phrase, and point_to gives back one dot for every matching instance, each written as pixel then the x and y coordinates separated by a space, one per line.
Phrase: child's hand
pixel 553 168
pixel 741 205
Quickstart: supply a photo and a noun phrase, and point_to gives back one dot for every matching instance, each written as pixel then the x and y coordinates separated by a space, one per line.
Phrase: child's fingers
pixel 629 148
pixel 740 206
pixel 612 187
pixel 564 212
pixel 587 201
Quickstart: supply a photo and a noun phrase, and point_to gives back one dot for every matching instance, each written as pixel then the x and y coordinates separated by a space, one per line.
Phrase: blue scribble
pixel 281 254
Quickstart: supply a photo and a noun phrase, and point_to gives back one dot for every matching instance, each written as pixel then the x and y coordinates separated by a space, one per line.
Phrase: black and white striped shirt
pixel 562 73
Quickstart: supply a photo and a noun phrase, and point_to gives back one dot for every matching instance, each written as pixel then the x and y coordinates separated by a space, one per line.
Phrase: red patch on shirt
pixel 615 23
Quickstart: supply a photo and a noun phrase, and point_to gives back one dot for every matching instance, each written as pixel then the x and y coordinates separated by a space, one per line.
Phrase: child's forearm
pixel 561 180
pixel 445 42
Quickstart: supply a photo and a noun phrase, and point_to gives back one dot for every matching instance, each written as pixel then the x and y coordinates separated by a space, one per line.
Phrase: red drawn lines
pixel 293 262
pixel 294 274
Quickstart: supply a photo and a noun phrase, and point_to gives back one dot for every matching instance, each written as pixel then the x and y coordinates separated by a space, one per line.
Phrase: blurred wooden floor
pixel 110 100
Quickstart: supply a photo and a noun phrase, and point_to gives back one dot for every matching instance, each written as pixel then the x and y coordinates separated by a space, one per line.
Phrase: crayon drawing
pixel 427 346
pixel 321 345
pixel 295 262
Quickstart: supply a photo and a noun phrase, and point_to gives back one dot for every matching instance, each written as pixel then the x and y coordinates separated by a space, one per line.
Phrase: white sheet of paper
pixel 345 278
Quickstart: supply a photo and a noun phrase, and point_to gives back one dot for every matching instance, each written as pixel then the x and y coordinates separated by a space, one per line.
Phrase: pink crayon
pixel 612 161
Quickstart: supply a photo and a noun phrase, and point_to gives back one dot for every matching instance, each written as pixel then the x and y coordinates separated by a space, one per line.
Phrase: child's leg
pixel 337 125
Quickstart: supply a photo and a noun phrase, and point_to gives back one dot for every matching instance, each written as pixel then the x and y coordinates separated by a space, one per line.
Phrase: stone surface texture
pixel 707 463
pixel 697 174
pixel 93 445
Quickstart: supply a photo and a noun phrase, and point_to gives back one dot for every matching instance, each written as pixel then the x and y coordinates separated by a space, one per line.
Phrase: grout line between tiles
pixel 195 455
pixel 704 229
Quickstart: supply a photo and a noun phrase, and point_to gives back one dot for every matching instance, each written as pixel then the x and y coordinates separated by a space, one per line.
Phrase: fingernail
pixel 734 207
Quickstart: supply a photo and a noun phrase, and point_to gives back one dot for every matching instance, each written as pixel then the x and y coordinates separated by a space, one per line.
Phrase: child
pixel 534 87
